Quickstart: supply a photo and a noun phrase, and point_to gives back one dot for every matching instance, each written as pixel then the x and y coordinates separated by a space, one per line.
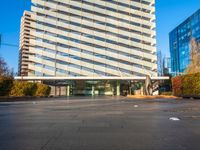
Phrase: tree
pixel 194 66
pixel 4 69
pixel 6 78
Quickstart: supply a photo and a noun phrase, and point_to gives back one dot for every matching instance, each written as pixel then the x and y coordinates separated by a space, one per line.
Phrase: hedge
pixel 5 85
pixel 177 86
pixel 166 93
pixel 42 90
pixel 187 85
pixel 29 89
pixel 23 89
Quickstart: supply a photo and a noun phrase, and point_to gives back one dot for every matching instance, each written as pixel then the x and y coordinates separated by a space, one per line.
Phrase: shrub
pixel 29 89
pixel 187 85
pixel 177 86
pixel 5 85
pixel 166 93
pixel 42 90
pixel 23 89
pixel 191 84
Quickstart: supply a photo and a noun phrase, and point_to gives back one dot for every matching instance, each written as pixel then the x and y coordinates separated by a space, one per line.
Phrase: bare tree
pixel 194 66
pixel 4 69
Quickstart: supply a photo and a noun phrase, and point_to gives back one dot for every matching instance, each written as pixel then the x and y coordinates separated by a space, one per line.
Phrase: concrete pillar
pixel 55 91
pixel 63 91
pixel 93 90
pixel 52 90
pixel 118 88
pixel 130 87
pixel 59 91
pixel 68 90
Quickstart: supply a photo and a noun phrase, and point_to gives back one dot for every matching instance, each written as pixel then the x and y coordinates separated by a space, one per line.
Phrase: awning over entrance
pixel 104 85
pixel 88 78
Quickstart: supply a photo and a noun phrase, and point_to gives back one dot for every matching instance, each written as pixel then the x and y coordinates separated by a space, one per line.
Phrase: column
pixel 118 88
pixel 93 90
pixel 68 90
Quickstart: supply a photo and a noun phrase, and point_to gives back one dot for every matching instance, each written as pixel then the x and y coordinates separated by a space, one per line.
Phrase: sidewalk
pixel 153 97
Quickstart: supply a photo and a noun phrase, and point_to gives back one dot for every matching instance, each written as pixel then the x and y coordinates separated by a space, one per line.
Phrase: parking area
pixel 100 123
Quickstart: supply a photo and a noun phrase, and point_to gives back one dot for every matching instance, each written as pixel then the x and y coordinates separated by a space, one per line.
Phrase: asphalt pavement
pixel 100 123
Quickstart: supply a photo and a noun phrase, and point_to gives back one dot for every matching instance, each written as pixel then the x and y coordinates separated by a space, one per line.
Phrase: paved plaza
pixel 102 123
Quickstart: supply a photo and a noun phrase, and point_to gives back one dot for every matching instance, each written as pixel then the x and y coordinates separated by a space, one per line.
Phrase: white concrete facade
pixel 24 44
pixel 90 38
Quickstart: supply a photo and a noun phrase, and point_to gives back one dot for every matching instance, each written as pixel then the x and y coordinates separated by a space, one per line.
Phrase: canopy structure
pixel 100 85
pixel 42 78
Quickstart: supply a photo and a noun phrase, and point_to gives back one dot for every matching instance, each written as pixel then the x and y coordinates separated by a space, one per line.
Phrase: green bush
pixel 23 89
pixel 42 90
pixel 5 85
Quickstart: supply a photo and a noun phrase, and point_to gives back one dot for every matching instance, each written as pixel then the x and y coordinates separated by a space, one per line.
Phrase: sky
pixel 169 14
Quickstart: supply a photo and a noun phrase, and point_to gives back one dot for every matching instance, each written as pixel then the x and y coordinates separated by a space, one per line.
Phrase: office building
pixel 79 38
pixel 166 66
pixel 180 47
pixel 24 52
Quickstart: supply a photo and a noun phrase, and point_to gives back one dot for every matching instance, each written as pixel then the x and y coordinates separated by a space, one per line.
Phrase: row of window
pixel 113 2
pixel 101 48
pixel 69 72
pixel 85 43
pixel 96 14
pixel 106 24
pixel 88 44
pixel 97 37
pixel 93 54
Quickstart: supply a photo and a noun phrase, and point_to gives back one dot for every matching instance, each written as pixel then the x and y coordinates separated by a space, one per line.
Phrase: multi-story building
pixel 24 52
pixel 180 47
pixel 160 63
pixel 166 66
pixel 90 38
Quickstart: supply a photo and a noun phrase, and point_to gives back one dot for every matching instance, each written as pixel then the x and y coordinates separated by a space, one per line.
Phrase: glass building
pixel 180 39
pixel 89 38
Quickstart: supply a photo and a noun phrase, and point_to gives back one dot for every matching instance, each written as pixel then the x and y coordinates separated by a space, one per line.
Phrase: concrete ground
pixel 103 123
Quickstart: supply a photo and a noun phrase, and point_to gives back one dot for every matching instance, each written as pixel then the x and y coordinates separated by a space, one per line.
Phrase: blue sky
pixel 170 13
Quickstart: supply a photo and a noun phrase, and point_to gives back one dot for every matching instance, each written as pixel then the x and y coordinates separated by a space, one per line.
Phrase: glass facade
pixel 180 39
